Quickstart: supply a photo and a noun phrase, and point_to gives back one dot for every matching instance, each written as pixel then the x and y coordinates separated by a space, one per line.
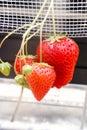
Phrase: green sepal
pixel 28 56
pixel 5 68
pixel 52 39
pixel 20 79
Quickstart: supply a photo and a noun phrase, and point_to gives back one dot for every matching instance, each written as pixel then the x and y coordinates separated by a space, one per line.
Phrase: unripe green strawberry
pixel 26 69
pixel 5 68
pixel 20 79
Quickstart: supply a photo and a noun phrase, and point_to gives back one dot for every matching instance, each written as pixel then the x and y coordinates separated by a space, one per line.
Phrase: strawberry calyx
pixel 27 56
pixel 52 39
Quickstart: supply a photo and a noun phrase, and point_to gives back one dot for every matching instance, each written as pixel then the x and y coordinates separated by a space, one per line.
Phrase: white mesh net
pixel 70 16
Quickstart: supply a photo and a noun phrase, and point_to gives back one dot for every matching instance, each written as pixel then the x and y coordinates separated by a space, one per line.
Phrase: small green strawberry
pixel 20 79
pixel 5 68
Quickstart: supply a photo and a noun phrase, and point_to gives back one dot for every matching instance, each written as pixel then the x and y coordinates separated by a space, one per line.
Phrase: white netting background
pixel 70 15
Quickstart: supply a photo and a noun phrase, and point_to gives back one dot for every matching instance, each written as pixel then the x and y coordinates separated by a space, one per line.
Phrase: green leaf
pixel 5 68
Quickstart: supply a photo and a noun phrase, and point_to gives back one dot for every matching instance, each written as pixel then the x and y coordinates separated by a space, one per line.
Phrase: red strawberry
pixel 22 60
pixel 41 79
pixel 62 54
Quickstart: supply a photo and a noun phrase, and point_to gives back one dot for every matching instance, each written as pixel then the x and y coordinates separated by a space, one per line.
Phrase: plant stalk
pixel 24 42
pixel 15 30
pixel 26 48
pixel 17 106
pixel 41 27
pixel 32 26
pixel 47 13
pixel 38 14
pixel 53 19
pixel 41 43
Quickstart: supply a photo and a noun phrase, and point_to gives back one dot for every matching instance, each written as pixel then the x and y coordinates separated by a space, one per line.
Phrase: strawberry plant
pixel 53 65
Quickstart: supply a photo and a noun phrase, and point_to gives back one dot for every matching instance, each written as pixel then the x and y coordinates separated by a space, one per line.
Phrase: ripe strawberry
pixel 22 60
pixel 41 79
pixel 61 53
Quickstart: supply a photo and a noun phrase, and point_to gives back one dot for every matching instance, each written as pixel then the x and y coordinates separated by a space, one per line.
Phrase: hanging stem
pixel 38 14
pixel 32 25
pixel 41 43
pixel 41 27
pixel 53 19
pixel 24 42
pixel 32 35
pixel 21 51
pixel 18 104
pixel 26 48
pixel 42 23
pixel 15 30
pixel 47 13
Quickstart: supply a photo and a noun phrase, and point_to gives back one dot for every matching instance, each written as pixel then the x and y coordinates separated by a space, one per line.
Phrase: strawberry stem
pixel 41 43
pixel 53 19
pixel 26 48
pixel 24 42
pixel 38 14
pixel 15 30
pixel 18 104
pixel 32 25
pixel 41 27
pixel 47 13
